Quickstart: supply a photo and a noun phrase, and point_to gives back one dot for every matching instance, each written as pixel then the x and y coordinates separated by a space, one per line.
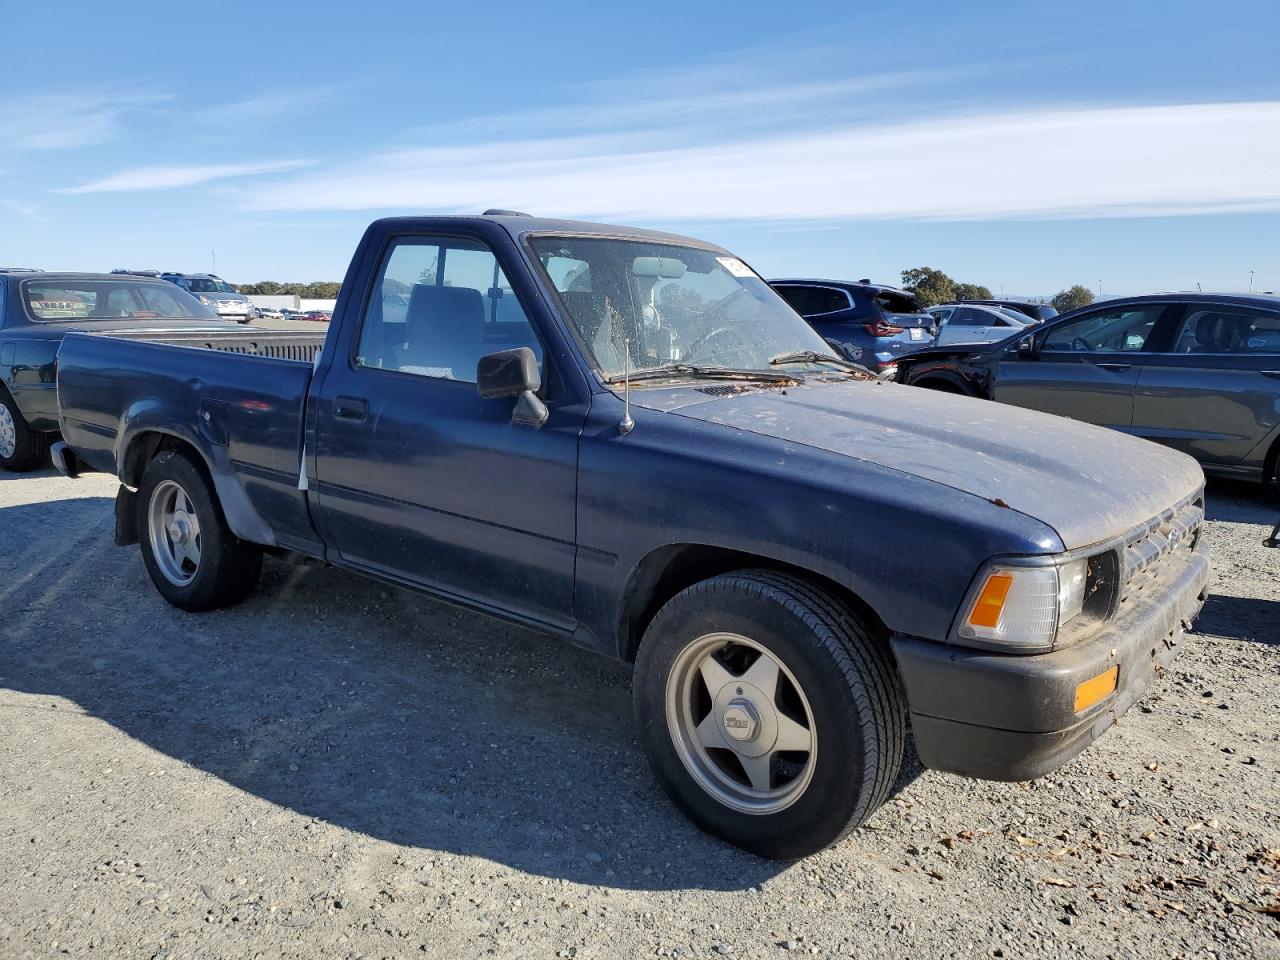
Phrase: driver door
pixel 1086 367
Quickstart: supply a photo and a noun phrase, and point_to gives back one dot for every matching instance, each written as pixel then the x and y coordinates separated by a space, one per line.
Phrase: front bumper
pixel 1008 717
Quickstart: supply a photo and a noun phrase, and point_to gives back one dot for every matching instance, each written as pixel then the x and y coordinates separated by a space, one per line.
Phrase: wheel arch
pixel 667 570
pixel 943 382
pixel 242 517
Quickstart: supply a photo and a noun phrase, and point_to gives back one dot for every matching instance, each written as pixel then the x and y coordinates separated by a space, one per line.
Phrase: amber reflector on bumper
pixel 1091 691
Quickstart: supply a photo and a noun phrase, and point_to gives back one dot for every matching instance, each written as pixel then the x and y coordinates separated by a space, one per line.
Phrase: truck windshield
pixel 91 299
pixel 670 304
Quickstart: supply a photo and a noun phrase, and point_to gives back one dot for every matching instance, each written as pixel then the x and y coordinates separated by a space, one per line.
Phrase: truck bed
pixel 243 394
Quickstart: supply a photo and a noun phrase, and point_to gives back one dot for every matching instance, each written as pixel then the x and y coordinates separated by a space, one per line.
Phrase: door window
pixel 812 301
pixel 827 300
pixel 797 298
pixel 969 317
pixel 1219 330
pixel 439 305
pixel 1122 330
pixel 943 315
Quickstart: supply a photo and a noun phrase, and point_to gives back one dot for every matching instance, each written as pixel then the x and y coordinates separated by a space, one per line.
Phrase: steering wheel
pixel 1080 343
pixel 710 336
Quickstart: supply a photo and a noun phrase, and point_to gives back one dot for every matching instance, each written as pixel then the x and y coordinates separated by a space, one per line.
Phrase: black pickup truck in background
pixel 37 309
pixel 626 439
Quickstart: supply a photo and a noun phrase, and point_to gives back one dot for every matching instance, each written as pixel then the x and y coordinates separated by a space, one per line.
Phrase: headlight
pixel 1021 608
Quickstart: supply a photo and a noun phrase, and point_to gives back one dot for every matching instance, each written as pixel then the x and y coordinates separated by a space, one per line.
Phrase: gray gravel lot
pixel 336 769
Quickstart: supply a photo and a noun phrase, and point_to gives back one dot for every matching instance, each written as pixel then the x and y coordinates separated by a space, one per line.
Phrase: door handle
pixel 350 408
pixel 1117 367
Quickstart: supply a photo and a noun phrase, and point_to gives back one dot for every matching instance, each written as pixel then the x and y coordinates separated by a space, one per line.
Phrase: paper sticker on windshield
pixel 735 266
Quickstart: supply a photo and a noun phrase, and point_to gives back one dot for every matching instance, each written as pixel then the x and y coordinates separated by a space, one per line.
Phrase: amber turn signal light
pixel 990 603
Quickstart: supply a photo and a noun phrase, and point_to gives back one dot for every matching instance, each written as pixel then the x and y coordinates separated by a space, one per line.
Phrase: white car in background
pixel 973 323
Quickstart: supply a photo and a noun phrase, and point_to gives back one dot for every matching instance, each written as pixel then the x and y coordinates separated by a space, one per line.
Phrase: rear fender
pixel 145 431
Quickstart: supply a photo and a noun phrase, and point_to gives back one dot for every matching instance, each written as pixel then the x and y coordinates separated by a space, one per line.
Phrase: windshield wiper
pixel 677 369
pixel 813 356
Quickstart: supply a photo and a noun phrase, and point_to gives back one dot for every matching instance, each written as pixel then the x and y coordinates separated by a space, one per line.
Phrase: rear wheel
pixel 194 559
pixel 771 712
pixel 21 448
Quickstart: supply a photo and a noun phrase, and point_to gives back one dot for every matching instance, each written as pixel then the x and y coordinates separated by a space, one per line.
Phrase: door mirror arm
pixel 514 373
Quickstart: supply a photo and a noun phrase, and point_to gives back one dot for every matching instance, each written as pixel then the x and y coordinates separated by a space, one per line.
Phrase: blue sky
pixel 1023 145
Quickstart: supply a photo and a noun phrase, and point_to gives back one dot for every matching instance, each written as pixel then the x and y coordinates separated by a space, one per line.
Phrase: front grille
pixel 1160 542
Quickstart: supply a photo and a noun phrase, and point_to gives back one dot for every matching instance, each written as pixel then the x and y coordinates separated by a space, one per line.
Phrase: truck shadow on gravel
pixel 362 706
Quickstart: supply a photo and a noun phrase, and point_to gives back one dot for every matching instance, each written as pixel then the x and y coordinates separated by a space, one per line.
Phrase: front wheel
pixel 771 712
pixel 21 448
pixel 194 559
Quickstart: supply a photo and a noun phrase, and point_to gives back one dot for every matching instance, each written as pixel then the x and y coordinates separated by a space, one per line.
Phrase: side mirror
pixel 1027 347
pixel 513 373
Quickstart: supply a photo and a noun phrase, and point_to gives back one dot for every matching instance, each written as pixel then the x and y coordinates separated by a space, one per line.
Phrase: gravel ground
pixel 337 769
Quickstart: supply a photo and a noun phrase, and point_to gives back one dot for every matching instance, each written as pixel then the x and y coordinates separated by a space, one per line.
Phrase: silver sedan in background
pixel 974 323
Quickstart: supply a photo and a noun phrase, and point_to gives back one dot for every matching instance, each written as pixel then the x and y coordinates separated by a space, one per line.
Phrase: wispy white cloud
pixel 263 107
pixel 173 177
pixel 1043 163
pixel 65 121
pixel 28 210
pixel 699 104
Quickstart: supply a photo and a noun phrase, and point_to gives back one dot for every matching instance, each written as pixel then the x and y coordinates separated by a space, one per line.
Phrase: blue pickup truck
pixel 627 439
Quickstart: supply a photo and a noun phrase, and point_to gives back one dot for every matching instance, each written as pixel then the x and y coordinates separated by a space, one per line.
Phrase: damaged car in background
pixel 1197 372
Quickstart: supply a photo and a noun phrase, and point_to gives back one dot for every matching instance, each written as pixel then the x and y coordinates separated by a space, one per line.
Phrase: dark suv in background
pixel 865 322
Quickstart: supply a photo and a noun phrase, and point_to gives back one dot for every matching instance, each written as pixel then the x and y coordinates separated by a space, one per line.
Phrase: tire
pixel 836 684
pixel 176 493
pixel 21 448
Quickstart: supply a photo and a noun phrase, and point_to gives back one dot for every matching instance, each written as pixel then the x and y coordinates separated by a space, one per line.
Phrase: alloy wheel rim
pixel 8 433
pixel 174 531
pixel 741 724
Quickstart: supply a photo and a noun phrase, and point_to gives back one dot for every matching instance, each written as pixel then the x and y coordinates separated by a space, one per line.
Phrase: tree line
pixel 319 290
pixel 932 287
pixel 929 286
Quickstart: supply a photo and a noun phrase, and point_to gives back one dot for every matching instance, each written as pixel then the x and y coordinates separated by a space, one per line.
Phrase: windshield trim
pixel 131 281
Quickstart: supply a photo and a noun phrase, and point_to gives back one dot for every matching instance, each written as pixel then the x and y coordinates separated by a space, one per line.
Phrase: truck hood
pixel 1088 483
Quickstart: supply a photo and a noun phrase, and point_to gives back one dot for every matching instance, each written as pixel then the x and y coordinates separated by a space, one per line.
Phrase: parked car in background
pixel 1196 372
pixel 1036 311
pixel 625 439
pixel 973 323
pixel 865 322
pixel 269 313
pixel 319 316
pixel 217 294
pixel 37 310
